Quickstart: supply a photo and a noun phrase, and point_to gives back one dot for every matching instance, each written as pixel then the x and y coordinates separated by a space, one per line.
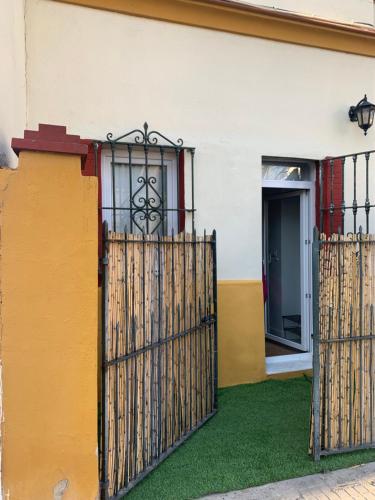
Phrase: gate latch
pixel 206 319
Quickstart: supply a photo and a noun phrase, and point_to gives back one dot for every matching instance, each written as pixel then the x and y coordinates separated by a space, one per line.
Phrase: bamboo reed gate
pixel 346 353
pixel 159 350
pixel 343 406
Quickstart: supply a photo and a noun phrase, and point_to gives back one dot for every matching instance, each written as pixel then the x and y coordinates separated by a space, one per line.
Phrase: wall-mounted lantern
pixel 363 113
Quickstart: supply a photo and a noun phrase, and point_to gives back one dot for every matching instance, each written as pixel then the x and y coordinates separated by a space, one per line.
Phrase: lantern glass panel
pixel 363 115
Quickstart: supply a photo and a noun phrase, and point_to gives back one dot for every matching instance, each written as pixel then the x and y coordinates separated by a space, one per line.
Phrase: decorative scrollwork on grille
pixel 146 201
pixel 144 184
pixel 147 204
pixel 155 217
pixel 145 137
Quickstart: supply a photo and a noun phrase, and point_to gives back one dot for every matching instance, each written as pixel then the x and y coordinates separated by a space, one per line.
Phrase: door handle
pixel 273 257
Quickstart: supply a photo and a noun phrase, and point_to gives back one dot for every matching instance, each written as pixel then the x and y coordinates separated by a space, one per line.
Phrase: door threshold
pixel 288 363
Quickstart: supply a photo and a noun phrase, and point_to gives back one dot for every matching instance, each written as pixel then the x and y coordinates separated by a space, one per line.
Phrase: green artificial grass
pixel 259 435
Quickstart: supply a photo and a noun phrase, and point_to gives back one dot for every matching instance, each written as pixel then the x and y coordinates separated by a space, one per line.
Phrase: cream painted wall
pixel 349 11
pixel 13 77
pixel 235 98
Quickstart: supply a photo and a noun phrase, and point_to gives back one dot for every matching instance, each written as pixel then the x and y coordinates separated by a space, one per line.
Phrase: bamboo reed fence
pixel 344 392
pixel 159 373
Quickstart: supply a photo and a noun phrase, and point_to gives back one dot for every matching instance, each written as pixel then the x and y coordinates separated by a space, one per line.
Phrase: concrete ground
pixel 355 483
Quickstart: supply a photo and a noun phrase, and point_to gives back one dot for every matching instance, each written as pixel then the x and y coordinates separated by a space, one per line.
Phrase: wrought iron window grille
pixel 151 177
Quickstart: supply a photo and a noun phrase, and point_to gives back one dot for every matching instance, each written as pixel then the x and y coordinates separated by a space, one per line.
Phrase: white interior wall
pixel 235 98
pixel 274 270
pixel 290 256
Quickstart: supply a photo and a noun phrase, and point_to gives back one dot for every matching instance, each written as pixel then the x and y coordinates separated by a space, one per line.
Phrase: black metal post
pixel 192 151
pixel 321 195
pixel 355 203
pixel 126 351
pixel 214 272
pixel 316 346
pixel 104 495
pixel 332 202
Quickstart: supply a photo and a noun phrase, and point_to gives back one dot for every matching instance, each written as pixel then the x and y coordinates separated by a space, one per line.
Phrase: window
pixel 140 190
pixel 288 171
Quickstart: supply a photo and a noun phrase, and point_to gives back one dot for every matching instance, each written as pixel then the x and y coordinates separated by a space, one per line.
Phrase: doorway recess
pixel 288 213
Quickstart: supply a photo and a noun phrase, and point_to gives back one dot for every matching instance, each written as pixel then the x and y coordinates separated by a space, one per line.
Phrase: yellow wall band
pixel 241 340
pixel 247 20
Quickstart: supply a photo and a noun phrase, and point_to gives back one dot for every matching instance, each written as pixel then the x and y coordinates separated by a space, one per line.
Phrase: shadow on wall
pixel 4 146
pixel 3 160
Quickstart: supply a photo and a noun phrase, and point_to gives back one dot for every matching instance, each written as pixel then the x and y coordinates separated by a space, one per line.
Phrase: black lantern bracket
pixel 363 113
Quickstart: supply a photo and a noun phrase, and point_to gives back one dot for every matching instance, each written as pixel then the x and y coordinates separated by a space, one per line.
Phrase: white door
pixel 286 265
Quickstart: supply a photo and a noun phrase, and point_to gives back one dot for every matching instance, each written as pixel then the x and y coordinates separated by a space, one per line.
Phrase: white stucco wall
pixel 235 98
pixel 13 78
pixel 349 11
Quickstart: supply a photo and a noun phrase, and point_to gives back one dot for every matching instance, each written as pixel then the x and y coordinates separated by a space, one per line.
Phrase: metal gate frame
pixel 208 324
pixel 316 348
pixel 333 220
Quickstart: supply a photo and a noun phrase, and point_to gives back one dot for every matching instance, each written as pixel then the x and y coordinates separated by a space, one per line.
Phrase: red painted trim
pixel 317 196
pixel 337 186
pixel 51 139
pixel 181 191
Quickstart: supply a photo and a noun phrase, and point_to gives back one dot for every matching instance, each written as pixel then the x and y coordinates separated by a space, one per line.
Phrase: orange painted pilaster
pixel 49 317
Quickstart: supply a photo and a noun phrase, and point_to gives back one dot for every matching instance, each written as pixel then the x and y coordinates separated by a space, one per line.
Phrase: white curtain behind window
pixel 135 220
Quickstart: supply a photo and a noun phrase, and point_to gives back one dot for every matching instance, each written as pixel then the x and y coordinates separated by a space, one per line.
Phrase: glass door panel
pixel 284 266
